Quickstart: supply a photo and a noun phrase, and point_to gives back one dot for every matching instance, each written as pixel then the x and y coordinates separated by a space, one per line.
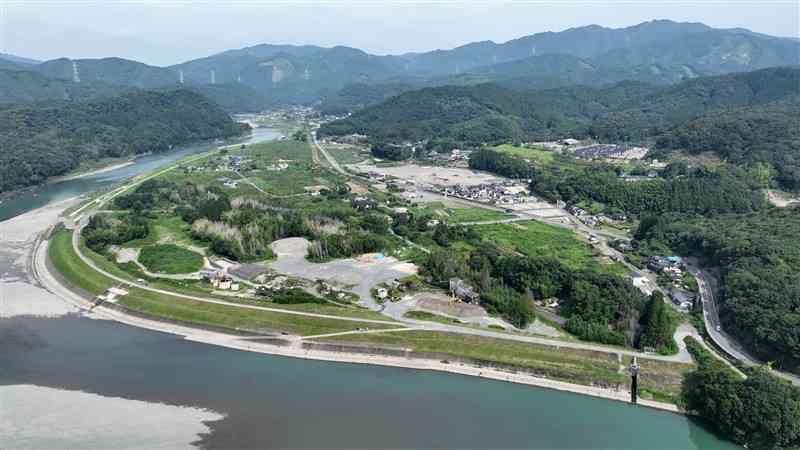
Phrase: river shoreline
pixel 95 171
pixel 295 349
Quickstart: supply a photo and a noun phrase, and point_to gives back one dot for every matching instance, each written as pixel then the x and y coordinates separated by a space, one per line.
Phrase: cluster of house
pixel 595 220
pixel 352 139
pixel 219 279
pixel 671 266
pixel 610 151
pixel 506 193
pixel 234 162
pixel 455 154
pixel 674 268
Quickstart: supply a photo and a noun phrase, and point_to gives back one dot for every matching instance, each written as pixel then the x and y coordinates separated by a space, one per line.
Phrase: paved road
pixel 714 328
pixel 331 160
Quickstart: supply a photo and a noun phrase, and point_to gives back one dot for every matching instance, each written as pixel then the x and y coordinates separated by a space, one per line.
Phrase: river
pixel 59 190
pixel 261 401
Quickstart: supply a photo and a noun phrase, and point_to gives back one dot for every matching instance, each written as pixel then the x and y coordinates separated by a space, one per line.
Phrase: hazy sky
pixel 167 32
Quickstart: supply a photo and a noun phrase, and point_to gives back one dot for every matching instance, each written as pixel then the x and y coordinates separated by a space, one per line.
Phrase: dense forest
pixel 758 255
pixel 723 114
pixel 750 135
pixel 699 191
pixel 760 413
pixel 47 139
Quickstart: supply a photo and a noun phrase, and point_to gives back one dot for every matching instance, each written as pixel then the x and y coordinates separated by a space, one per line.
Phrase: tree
pixel 658 325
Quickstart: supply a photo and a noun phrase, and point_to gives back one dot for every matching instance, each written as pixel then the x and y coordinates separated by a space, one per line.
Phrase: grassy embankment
pixel 658 380
pixel 78 274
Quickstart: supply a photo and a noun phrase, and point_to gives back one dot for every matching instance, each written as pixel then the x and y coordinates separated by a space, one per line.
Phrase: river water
pixel 60 190
pixel 277 402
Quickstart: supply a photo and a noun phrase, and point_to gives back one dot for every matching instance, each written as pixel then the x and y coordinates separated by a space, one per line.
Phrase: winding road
pixel 718 336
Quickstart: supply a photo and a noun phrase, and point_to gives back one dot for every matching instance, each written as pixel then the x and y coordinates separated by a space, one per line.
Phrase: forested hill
pixel 624 112
pixel 118 71
pixel 47 139
pixel 22 86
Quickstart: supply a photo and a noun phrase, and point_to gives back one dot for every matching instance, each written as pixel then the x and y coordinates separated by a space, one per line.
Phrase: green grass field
pixel 537 239
pixel 534 238
pixel 533 154
pixel 461 215
pixel 170 258
pixel 347 154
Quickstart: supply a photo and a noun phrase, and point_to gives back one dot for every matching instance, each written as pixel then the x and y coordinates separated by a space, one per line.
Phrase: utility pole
pixel 634 370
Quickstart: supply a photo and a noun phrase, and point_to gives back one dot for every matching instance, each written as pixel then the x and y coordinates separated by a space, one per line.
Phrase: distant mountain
pixel 582 42
pixel 658 52
pixel 118 71
pixel 288 74
pixel 228 65
pixel 22 61
pixel 21 86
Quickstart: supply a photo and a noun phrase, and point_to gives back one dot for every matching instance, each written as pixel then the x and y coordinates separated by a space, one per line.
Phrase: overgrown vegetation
pixel 170 258
pixel 761 412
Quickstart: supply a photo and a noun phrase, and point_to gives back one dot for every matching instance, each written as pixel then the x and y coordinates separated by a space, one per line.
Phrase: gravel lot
pixel 363 272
